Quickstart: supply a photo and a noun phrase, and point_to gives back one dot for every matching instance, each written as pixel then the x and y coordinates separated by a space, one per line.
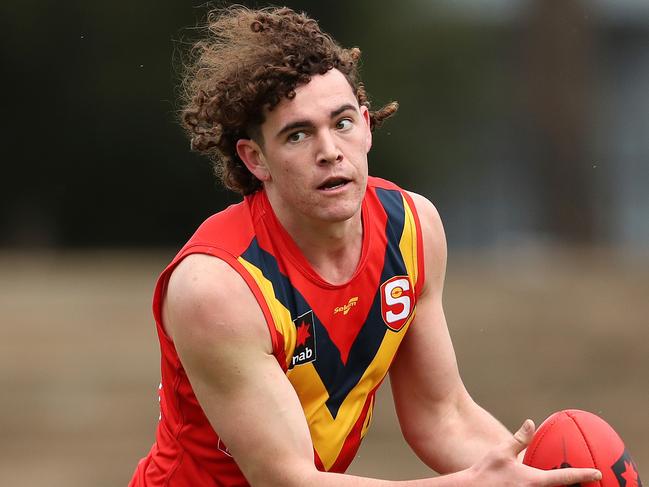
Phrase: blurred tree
pixel 557 87
pixel 95 156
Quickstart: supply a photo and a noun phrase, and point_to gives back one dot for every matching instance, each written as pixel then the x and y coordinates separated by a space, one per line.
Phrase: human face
pixel 313 160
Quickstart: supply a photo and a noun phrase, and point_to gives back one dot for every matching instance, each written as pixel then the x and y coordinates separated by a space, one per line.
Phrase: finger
pixel 523 437
pixel 570 476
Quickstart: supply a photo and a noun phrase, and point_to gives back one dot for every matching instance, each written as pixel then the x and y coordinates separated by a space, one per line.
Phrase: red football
pixel 575 438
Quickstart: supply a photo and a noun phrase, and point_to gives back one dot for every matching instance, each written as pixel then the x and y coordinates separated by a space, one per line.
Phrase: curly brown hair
pixel 249 61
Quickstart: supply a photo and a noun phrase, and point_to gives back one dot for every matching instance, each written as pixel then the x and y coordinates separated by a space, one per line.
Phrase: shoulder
pixel 428 214
pixel 200 279
pixel 207 301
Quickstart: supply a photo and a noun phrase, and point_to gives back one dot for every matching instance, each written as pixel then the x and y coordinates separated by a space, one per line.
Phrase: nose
pixel 328 150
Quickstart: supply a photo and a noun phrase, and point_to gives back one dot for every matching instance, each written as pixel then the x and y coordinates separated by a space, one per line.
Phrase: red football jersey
pixel 335 342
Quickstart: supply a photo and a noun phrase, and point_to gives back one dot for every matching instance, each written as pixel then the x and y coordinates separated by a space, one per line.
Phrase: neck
pixel 332 248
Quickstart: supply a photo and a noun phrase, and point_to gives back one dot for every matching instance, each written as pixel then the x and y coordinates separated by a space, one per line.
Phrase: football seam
pixel 572 416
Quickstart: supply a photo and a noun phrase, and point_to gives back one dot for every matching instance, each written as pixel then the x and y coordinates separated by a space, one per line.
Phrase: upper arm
pixel 224 345
pixel 424 376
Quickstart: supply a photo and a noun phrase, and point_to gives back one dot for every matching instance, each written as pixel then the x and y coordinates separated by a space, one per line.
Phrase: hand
pixel 501 468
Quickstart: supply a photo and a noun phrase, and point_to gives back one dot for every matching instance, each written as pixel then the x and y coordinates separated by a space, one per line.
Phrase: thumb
pixel 523 436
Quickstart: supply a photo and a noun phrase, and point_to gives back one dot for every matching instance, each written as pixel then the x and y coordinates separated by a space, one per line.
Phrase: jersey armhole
pixel 421 268
pixel 161 289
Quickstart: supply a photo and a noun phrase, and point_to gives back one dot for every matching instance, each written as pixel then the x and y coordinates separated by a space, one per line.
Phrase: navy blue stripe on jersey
pixel 266 262
pixel 392 202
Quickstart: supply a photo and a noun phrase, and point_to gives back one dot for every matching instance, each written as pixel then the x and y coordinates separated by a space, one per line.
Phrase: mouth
pixel 333 183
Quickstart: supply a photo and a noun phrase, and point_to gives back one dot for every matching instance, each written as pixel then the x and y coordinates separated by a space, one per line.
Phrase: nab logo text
pixel 344 309
pixel 304 351
pixel 303 357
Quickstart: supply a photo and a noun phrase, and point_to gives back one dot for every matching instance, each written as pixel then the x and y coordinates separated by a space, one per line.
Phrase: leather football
pixel 575 438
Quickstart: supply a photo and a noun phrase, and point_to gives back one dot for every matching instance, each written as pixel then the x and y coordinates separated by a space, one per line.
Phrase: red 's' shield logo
pixel 397 303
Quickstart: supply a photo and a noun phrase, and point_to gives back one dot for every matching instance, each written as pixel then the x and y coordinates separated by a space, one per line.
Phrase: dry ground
pixel 534 332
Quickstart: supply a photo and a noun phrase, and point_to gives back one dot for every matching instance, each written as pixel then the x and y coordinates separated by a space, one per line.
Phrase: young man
pixel 282 315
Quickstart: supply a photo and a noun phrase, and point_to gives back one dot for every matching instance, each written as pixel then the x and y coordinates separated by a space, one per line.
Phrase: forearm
pixel 456 438
pixel 326 479
pixel 497 468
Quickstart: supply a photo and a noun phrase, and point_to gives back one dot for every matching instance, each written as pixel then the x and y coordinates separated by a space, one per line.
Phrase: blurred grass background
pixel 535 332
pixel 525 121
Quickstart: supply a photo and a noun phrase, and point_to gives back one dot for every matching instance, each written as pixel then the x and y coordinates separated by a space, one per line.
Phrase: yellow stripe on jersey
pixel 368 418
pixel 281 316
pixel 408 242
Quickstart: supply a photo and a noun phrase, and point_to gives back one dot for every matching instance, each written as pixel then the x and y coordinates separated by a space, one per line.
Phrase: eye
pixel 344 124
pixel 297 137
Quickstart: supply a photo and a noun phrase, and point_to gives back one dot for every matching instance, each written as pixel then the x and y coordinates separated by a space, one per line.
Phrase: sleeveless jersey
pixel 335 342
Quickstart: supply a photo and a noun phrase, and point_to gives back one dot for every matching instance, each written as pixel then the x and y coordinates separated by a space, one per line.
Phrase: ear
pixel 365 113
pixel 253 157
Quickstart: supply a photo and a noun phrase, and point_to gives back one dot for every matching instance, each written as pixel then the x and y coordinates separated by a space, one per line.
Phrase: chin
pixel 340 214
